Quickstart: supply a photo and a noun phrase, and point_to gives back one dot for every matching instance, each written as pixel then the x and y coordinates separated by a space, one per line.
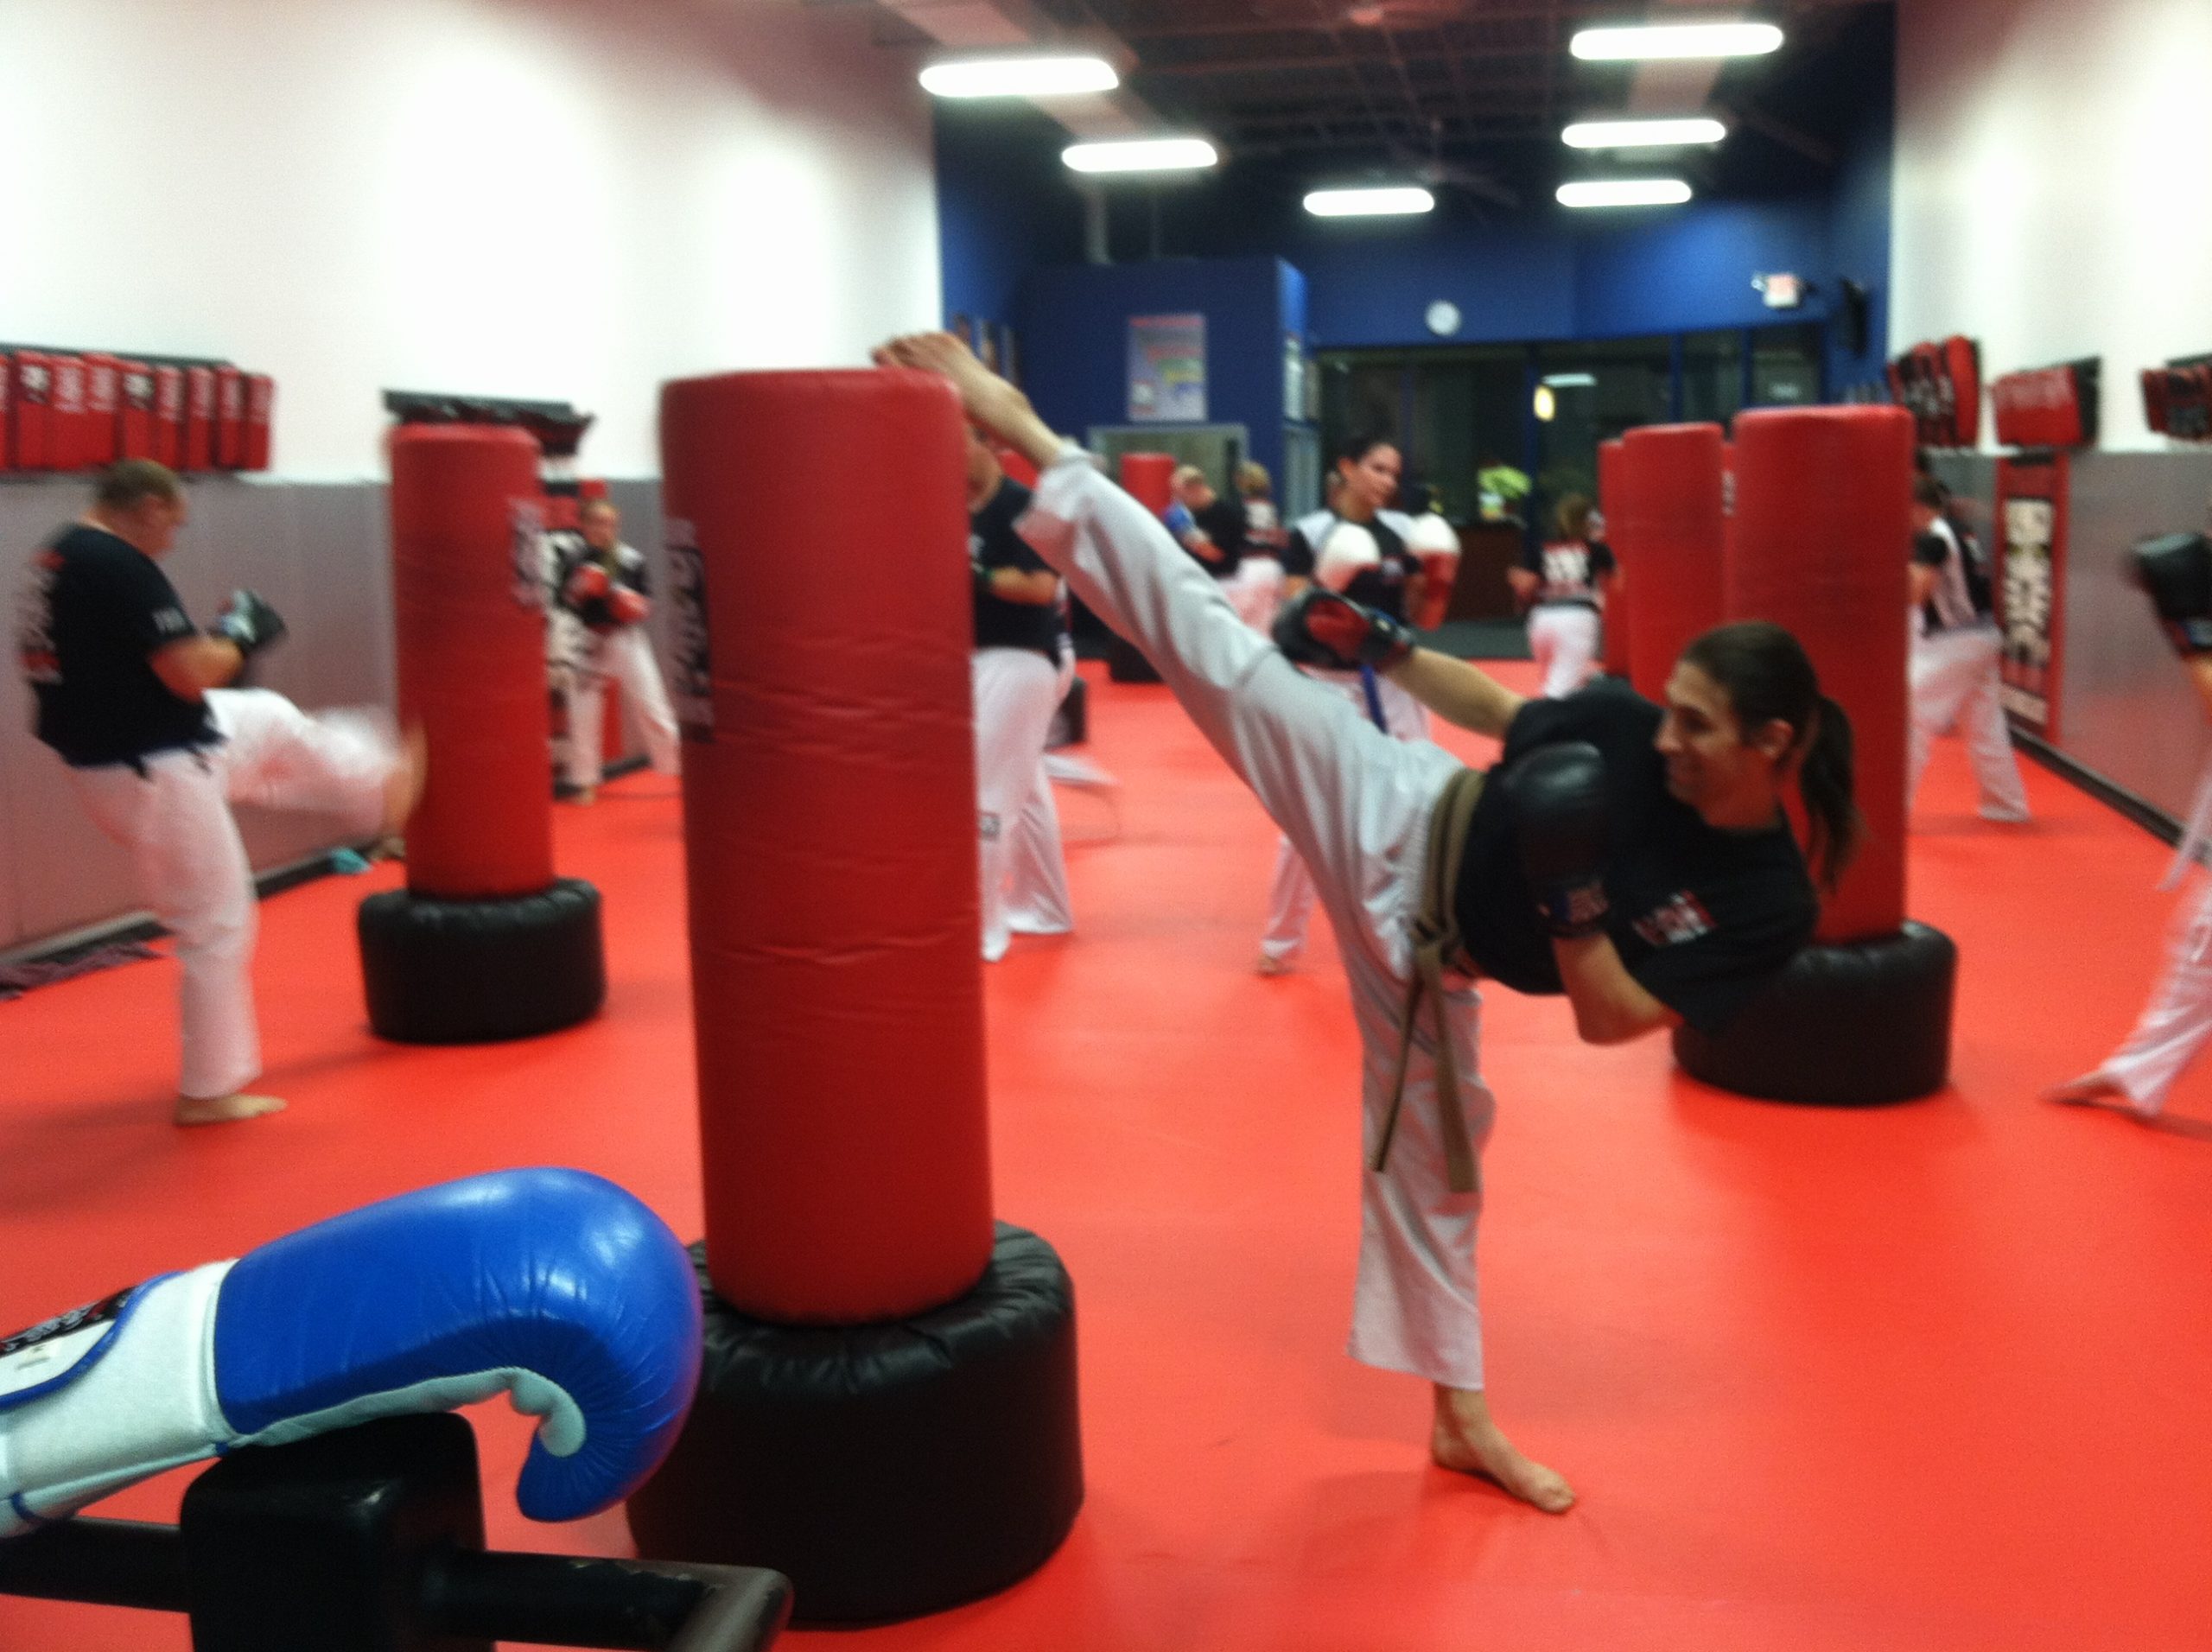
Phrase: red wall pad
pixel 830 813
pixel 1819 543
pixel 1670 487
pixel 1618 658
pixel 925 1451
pixel 485 942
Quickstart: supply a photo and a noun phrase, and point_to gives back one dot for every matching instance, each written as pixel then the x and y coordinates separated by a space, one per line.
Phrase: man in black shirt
pixel 130 695
pixel 1016 674
pixel 1666 891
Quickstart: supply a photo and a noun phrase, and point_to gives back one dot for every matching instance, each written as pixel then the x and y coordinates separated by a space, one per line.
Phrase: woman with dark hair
pixel 1635 858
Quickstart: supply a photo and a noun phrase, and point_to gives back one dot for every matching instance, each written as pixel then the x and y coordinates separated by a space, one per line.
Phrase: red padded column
pixel 1822 535
pixel 1670 479
pixel 1618 657
pixel 471 625
pixel 830 815
pixel 1149 478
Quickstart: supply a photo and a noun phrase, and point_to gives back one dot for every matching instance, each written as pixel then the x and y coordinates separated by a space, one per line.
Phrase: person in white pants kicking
pixel 602 584
pixel 1955 651
pixel 1635 860
pixel 1563 585
pixel 1017 673
pixel 2176 1023
pixel 129 696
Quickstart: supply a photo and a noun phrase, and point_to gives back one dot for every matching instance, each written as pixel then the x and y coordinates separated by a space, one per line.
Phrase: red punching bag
pixel 1821 544
pixel 1618 659
pixel 471 627
pixel 1149 478
pixel 1670 479
pixel 829 818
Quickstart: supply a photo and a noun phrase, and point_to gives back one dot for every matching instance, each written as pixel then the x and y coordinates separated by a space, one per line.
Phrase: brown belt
pixel 1436 945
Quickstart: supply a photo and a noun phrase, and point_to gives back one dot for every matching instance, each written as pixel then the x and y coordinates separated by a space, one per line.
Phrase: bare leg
pixel 224 1110
pixel 1467 1440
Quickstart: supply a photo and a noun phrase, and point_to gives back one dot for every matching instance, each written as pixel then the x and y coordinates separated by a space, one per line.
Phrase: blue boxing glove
pixel 552 1286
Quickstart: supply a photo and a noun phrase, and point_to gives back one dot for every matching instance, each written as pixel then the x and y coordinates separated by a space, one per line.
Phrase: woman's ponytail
pixel 1824 776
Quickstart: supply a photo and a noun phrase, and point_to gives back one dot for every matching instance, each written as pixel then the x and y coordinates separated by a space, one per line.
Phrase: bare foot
pixel 2097 1089
pixel 1270 964
pixel 989 400
pixel 1465 1439
pixel 403 788
pixel 584 795
pixel 223 1109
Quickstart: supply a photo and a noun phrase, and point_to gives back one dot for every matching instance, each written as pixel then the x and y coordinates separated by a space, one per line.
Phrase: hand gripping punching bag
pixel 887 1409
pixel 485 942
pixel 1820 544
pixel 1669 482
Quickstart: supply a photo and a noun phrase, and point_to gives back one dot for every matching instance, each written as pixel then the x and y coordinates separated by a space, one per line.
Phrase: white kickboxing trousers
pixel 1954 684
pixel 191 865
pixel 2178 1020
pixel 1255 591
pixel 1290 890
pixel 1563 637
pixel 626 655
pixel 1355 805
pixel 1037 900
pixel 1013 713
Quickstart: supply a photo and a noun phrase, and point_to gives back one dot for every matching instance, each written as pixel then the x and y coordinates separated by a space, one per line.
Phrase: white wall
pixel 2053 191
pixel 536 198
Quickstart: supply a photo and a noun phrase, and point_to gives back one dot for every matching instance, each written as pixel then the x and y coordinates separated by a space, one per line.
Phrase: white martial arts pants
pixel 626 656
pixel 1563 637
pixel 1290 891
pixel 1255 591
pixel 1037 900
pixel 1355 805
pixel 2178 1020
pixel 191 865
pixel 1013 713
pixel 1954 684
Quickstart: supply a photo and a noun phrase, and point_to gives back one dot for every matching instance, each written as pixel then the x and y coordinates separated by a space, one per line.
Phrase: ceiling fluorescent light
pixel 1624 192
pixel 1570 381
pixel 1141 154
pixel 1019 77
pixel 1368 203
pixel 1641 134
pixel 1676 40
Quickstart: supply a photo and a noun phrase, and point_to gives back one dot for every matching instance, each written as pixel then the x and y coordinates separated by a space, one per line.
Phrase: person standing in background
pixel 1563 587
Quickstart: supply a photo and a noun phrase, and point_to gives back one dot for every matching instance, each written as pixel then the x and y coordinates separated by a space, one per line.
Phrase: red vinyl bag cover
pixel 7 412
pixel 1670 483
pixel 71 445
pixel 103 395
pixel 1016 466
pixel 32 412
pixel 168 417
pixel 199 443
pixel 1962 366
pixel 230 418
pixel 468 603
pixel 1823 535
pixel 260 416
pixel 1149 478
pixel 829 824
pixel 1618 657
pixel 134 414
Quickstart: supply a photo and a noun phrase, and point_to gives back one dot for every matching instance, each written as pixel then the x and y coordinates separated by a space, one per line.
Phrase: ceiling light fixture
pixel 1570 381
pixel 1624 192
pixel 1019 77
pixel 1641 134
pixel 1369 203
pixel 1676 40
pixel 1141 154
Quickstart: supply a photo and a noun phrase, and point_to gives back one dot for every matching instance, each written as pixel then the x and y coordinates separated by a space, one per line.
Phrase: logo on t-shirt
pixel 1680 918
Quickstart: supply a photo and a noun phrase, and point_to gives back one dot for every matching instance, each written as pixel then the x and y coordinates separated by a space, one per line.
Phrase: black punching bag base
pixel 480 971
pixel 1857 1024
pixel 888 1470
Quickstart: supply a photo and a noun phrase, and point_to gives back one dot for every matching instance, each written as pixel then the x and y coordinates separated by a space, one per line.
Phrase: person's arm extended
pixel 1609 1006
pixel 1461 694
pixel 191 665
pixel 1031 588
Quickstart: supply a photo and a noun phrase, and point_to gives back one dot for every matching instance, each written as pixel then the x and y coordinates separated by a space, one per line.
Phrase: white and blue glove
pixel 555 1286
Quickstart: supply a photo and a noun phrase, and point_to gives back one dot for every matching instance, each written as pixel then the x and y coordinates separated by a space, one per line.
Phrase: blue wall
pixel 1004 205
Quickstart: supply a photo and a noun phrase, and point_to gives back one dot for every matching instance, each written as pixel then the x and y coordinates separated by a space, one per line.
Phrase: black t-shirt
pixel 1570 568
pixel 992 543
pixel 1381 586
pixel 1223 522
pixel 1701 917
pixel 95 613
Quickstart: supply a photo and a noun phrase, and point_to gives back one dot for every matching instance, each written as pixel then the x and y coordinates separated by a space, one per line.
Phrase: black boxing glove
pixel 1319 627
pixel 2176 570
pixel 249 623
pixel 1557 794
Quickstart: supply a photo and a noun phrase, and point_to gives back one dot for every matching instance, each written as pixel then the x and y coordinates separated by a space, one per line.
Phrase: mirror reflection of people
pixel 601 581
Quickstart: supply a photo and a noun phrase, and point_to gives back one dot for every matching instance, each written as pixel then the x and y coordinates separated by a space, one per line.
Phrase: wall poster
pixel 2031 604
pixel 1167 368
